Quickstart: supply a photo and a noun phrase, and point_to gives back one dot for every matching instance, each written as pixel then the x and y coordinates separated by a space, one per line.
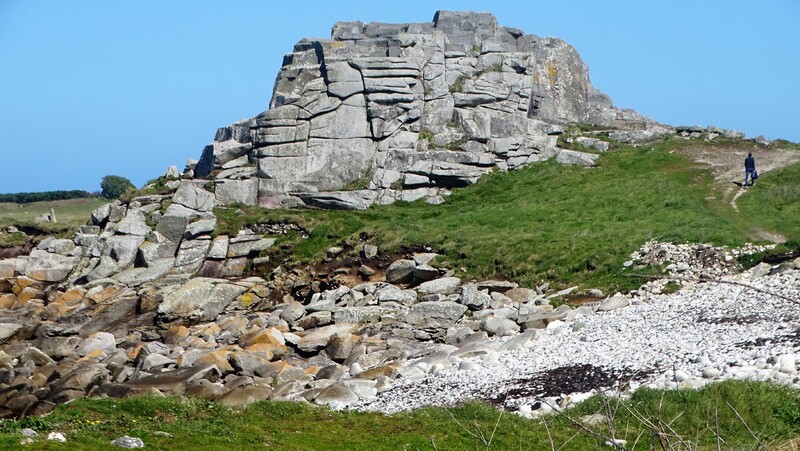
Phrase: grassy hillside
pixel 687 419
pixel 564 225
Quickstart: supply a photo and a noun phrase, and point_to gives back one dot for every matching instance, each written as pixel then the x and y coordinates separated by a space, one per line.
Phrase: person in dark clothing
pixel 749 169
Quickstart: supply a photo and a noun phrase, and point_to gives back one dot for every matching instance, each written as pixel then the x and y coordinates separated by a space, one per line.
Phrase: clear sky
pixel 92 88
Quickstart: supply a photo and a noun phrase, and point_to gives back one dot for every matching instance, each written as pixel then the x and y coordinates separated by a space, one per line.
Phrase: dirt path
pixel 726 162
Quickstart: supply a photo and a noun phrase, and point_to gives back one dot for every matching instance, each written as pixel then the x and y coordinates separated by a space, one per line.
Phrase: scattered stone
pixel 128 442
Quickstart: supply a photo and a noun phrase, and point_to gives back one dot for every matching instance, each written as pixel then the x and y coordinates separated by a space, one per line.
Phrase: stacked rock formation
pixel 385 112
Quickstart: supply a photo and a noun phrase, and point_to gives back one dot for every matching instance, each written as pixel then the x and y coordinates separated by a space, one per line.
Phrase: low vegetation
pixel 734 415
pixel 70 214
pixel 551 223
pixel 113 186
pixel 26 198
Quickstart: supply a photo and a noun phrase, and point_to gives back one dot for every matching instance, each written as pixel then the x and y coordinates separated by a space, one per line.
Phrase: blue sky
pixel 92 88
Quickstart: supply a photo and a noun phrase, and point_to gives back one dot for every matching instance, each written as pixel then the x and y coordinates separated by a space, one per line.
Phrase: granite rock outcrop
pixel 385 112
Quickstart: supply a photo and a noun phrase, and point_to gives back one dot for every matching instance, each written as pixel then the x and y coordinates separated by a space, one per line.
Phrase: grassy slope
pixel 565 225
pixel 773 201
pixel 195 424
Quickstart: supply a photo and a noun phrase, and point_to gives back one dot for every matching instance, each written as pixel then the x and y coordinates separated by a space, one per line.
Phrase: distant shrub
pixel 114 186
pixel 26 198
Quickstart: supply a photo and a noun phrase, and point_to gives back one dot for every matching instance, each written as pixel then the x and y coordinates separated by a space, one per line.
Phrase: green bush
pixel 114 186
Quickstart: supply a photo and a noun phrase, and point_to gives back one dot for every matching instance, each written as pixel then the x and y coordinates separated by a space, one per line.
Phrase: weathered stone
pixel 434 314
pixel 340 200
pixel 592 143
pixel 474 298
pixel 192 196
pixel 191 254
pixel 293 311
pixel 613 303
pixel 522 295
pixel 219 247
pixel 237 192
pixel 102 341
pixel 336 395
pixel 138 276
pixel 425 273
pixel 133 223
pixel 499 326
pixel 48 267
pixel 100 214
pixel 199 299
pixel 241 396
pixel 317 339
pixel 129 442
pixel 400 271
pixel 201 226
pixel 7 330
pixel 340 346
pixel 7 268
pixel 445 285
pixel 566 156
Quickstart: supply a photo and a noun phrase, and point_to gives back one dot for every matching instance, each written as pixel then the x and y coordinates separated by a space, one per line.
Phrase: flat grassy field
pixel 70 212
pixel 732 415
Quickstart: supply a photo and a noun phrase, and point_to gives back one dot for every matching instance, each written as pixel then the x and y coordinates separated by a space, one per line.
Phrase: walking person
pixel 749 170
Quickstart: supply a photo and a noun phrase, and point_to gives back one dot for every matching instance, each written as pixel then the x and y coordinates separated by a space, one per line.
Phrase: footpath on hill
pixel 726 162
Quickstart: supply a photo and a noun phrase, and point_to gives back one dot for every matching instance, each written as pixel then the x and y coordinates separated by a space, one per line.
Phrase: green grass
pixel 565 225
pixel 773 198
pixel 70 212
pixel 771 412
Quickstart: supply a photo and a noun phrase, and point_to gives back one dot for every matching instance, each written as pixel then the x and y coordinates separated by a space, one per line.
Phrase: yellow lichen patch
pixel 337 45
pixel 274 349
pixel 21 283
pixel 218 358
pixel 274 368
pixel 95 355
pixel 175 334
pixel 27 294
pixel 262 350
pixel 66 306
pixel 199 343
pixel 70 296
pixel 7 300
pixel 134 351
pixel 211 330
pixel 552 73
pixel 260 290
pixel 148 303
pixel 270 335
pixel 247 299
pixel 389 370
pixel 312 370
pixel 105 294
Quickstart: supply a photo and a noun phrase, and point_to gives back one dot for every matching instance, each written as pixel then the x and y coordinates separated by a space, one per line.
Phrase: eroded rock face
pixel 406 111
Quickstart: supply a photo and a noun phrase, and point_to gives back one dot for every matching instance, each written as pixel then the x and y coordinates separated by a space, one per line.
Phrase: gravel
pixel 706 332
